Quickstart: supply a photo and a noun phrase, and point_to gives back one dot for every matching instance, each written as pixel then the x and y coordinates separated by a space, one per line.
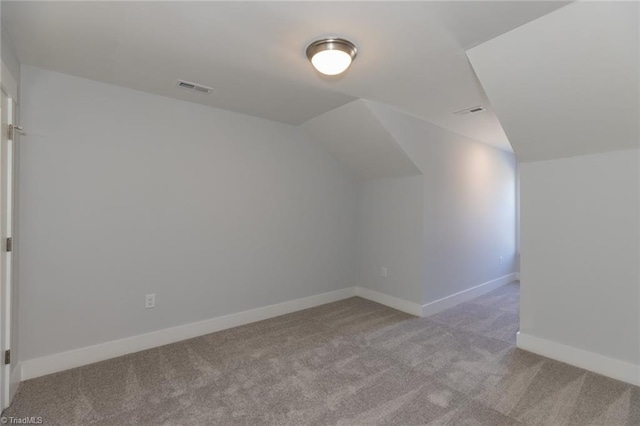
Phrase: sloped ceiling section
pixel 413 134
pixel 566 84
pixel 424 142
pixel 354 135
pixel 253 53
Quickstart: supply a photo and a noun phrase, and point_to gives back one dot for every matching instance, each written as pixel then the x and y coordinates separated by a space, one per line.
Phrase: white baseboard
pixel 445 303
pixel 390 301
pixel 49 364
pixel 616 369
pixel 517 276
pixel 78 357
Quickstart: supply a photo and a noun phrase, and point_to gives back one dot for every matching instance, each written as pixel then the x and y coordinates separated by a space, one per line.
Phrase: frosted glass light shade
pixel 331 56
pixel 331 62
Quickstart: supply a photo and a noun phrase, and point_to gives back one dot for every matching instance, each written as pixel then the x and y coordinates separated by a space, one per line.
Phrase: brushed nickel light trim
pixel 328 45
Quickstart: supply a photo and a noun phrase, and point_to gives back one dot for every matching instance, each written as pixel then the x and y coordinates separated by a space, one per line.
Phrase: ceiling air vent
pixel 472 110
pixel 193 86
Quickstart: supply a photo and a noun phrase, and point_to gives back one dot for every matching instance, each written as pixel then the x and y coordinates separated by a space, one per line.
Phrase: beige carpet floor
pixel 352 362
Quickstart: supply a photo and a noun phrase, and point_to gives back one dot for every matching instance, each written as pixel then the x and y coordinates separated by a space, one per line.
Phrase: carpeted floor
pixel 352 362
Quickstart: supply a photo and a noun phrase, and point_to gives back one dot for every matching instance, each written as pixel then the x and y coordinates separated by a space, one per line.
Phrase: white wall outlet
pixel 384 272
pixel 150 301
pixel 500 260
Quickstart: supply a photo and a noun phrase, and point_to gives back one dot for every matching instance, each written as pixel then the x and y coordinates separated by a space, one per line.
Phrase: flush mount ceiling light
pixel 331 56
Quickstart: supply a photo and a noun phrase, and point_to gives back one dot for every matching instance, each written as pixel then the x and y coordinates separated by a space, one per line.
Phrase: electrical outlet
pixel 150 301
pixel 500 260
pixel 384 272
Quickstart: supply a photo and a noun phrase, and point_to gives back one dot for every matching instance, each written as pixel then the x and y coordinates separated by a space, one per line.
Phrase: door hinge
pixel 11 130
pixel 7 356
pixel 8 245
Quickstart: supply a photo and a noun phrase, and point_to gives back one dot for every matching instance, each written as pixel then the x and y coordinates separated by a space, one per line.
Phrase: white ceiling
pixel 354 135
pixel 411 54
pixel 567 84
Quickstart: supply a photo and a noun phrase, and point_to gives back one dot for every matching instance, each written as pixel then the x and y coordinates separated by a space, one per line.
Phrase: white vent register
pixel 472 110
pixel 193 86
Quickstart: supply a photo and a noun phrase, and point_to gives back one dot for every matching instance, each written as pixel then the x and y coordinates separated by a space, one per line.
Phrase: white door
pixel 6 220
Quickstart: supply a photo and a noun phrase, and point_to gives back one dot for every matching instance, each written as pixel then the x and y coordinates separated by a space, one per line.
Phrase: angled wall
pixel 357 138
pixel 436 210
pixel 566 84
pixel 468 195
pixel 565 88
pixel 390 208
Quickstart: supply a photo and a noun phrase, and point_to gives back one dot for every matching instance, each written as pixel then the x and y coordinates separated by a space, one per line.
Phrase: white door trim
pixel 8 85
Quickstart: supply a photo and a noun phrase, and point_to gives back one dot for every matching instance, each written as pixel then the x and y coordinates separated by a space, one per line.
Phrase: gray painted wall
pixel 469 215
pixel 218 212
pixel 390 221
pixel 9 57
pixel 565 87
pixel 580 252
pixel 469 198
pixel 126 193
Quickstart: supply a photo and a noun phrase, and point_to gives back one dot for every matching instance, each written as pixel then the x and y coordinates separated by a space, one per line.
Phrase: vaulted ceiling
pixel 355 135
pixel 411 54
pixel 567 84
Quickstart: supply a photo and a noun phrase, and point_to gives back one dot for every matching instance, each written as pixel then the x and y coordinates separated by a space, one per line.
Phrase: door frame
pixel 10 377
